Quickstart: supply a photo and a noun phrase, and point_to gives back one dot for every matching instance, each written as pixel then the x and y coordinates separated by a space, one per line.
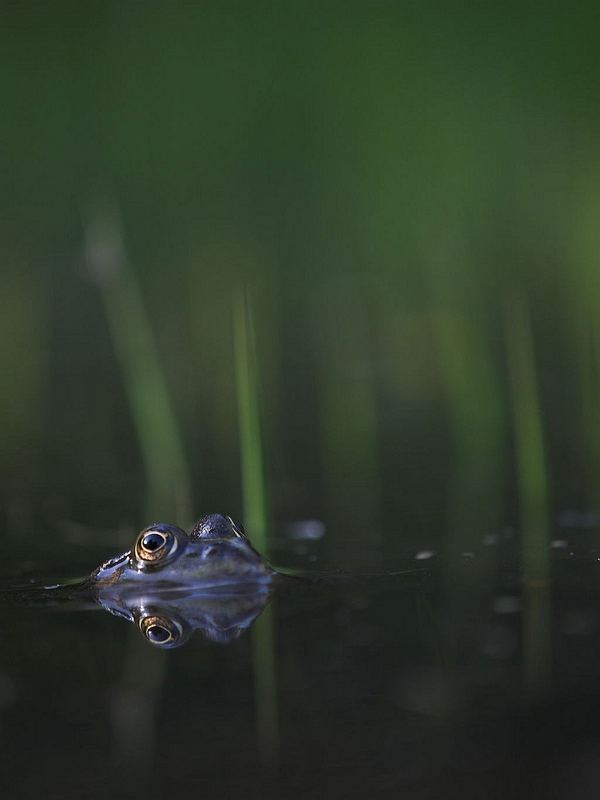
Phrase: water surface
pixel 458 680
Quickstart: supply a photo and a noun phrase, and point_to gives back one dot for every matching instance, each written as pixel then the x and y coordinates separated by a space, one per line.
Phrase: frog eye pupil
pixel 157 634
pixel 153 542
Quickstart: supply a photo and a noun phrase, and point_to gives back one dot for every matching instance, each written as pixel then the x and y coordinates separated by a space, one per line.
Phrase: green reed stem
pixel 251 452
pixel 167 477
pixel 349 423
pixel 132 334
pixel 533 493
pixel 529 440
pixel 255 516
pixel 471 386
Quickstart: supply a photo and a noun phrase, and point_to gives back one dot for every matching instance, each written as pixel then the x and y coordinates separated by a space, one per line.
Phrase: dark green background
pixel 387 181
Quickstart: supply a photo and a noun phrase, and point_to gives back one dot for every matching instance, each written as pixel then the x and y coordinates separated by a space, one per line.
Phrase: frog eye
pixel 161 631
pixel 155 544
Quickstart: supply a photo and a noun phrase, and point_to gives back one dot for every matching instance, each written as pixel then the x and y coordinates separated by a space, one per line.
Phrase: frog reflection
pixel 171 583
pixel 167 621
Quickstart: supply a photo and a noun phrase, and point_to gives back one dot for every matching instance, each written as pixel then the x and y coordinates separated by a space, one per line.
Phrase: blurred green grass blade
pixel 349 422
pixel 533 493
pixel 469 379
pixel 251 453
pixel 581 322
pixel 470 385
pixel 586 336
pixel 532 474
pixel 168 483
pixel 255 517
pixel 472 397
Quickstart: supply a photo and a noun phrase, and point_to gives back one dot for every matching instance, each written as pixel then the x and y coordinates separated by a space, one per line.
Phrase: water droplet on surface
pixel 312 529
pixel 423 555
pixel 490 539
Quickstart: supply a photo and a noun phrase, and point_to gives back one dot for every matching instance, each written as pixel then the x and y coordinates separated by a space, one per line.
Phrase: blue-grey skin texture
pixel 211 580
pixel 216 554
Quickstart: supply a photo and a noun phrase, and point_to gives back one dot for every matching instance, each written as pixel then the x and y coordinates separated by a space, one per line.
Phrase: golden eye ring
pixel 160 631
pixel 154 545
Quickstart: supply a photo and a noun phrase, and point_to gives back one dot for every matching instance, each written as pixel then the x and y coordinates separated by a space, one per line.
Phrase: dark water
pixel 455 681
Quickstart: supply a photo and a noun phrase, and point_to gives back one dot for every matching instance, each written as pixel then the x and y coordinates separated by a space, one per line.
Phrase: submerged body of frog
pixel 171 583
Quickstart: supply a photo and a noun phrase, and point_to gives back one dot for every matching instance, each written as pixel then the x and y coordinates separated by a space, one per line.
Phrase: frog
pixel 215 555
pixel 171 583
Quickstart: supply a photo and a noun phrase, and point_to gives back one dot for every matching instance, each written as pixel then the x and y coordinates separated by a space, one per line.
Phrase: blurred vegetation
pixel 380 176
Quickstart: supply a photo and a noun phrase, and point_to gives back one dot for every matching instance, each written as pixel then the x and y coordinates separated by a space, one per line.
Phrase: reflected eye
pixel 160 631
pixel 157 634
pixel 155 544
